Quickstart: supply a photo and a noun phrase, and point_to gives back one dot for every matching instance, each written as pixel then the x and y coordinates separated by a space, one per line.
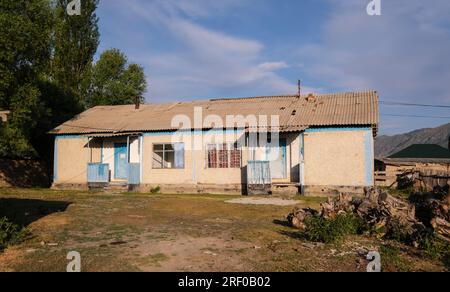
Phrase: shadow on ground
pixel 24 212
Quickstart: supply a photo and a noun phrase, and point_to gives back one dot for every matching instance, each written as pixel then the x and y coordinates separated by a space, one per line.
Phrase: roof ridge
pixel 304 95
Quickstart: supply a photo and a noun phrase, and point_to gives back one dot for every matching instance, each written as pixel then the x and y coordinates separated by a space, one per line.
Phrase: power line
pixel 415 116
pixel 413 104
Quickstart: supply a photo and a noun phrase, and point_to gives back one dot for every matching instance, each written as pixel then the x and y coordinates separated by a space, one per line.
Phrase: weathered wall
pixel 71 157
pixel 23 173
pixel 339 157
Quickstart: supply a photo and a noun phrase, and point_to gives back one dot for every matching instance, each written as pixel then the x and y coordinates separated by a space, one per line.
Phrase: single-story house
pixel 321 144
pixel 431 161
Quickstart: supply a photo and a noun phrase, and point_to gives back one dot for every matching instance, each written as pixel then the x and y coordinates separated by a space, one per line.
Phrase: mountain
pixel 388 145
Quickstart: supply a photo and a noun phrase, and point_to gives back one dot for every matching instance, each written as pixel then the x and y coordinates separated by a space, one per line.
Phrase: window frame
pixel 164 151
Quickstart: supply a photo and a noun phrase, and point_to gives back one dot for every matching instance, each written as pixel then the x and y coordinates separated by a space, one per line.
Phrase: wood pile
pixel 384 213
pixel 433 210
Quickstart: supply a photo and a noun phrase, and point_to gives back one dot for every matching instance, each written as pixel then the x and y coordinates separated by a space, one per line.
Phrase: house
pixel 310 143
pixel 4 116
pixel 431 161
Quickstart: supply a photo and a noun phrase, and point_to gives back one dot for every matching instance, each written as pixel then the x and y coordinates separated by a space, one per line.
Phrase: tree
pixel 112 81
pixel 25 34
pixel 76 38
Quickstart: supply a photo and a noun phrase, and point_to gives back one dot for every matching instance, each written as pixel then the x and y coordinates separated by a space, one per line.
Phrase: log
pixel 298 216
pixel 337 206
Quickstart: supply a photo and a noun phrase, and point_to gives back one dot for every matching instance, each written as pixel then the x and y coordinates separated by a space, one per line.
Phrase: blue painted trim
pixel 195 132
pixel 283 144
pixel 101 151
pixel 369 157
pixel 339 129
pixel 55 160
pixel 70 137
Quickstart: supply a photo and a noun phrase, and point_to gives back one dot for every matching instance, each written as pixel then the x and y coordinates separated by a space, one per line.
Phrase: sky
pixel 200 49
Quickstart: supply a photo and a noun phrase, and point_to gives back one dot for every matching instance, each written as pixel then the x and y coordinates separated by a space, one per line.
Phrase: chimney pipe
pixel 137 103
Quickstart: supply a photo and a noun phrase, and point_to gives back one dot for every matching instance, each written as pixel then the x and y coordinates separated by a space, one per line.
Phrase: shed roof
pixel 295 113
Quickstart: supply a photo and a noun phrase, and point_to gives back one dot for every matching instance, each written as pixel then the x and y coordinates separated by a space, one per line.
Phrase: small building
pixel 4 116
pixel 314 144
pixel 430 161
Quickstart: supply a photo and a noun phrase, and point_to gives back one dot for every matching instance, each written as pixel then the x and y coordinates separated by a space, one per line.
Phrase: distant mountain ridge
pixel 388 145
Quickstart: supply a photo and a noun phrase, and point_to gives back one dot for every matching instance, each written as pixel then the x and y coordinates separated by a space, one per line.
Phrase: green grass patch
pixel 331 230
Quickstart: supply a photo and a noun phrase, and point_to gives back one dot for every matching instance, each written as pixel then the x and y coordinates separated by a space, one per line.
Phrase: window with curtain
pixel 224 156
pixel 168 155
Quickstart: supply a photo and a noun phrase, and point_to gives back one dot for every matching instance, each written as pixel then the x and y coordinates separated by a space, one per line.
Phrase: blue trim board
pixel 369 157
pixel 70 137
pixel 338 129
pixel 195 132
pixel 55 160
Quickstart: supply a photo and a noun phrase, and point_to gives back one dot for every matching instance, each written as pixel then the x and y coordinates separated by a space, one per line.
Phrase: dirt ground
pixel 144 232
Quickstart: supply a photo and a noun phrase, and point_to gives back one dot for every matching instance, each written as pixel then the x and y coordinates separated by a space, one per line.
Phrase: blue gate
pixel 98 173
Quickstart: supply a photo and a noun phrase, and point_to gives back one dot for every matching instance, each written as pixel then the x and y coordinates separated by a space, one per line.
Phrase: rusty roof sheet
pixel 294 112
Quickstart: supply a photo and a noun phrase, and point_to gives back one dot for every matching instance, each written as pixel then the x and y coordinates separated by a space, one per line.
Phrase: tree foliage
pixel 47 73
pixel 112 81
pixel 76 39
pixel 25 38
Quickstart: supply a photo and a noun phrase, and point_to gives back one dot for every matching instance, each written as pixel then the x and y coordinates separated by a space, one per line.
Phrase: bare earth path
pixel 131 232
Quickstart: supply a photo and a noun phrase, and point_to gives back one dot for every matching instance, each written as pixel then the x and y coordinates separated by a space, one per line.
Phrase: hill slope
pixel 387 145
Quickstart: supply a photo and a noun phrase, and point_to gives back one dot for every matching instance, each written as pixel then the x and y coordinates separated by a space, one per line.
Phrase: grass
pixel 157 232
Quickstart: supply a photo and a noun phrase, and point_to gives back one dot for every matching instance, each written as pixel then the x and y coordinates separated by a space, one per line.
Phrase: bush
pixel 156 190
pixel 330 230
pixel 10 233
pixel 434 247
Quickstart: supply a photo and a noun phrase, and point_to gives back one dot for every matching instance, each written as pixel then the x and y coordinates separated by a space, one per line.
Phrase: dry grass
pixel 154 232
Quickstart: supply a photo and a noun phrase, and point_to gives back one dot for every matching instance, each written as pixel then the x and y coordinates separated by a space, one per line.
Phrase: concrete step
pixel 117 187
pixel 285 190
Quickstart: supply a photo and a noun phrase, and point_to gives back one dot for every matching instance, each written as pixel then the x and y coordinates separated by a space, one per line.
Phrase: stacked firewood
pixel 433 210
pixel 383 212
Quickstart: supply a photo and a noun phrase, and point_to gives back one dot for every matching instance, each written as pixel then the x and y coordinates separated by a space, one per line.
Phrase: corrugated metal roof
pixel 294 112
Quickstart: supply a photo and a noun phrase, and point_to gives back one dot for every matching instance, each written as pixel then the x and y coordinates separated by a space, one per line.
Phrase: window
pixel 224 156
pixel 168 155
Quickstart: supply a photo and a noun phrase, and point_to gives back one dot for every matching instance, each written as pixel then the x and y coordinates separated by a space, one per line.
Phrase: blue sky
pixel 198 49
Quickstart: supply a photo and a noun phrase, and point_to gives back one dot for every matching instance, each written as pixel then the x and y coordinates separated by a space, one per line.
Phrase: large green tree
pixel 47 73
pixel 112 81
pixel 76 38
pixel 25 37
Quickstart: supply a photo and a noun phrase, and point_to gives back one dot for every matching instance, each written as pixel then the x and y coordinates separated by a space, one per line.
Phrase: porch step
pixel 285 190
pixel 117 187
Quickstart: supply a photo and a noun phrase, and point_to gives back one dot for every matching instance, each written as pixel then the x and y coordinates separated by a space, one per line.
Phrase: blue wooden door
pixel 120 161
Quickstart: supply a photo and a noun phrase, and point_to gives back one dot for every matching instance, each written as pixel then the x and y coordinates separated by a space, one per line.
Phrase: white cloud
pixel 404 53
pixel 204 61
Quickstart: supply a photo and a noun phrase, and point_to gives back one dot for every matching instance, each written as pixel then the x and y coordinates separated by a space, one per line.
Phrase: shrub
pixel 434 247
pixel 10 233
pixel 156 190
pixel 331 230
